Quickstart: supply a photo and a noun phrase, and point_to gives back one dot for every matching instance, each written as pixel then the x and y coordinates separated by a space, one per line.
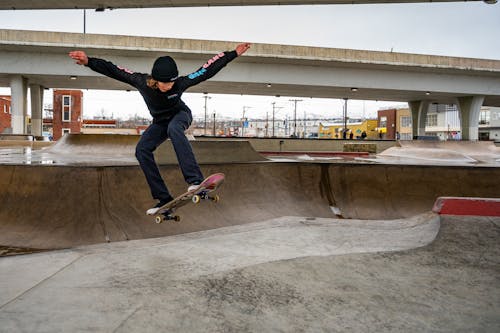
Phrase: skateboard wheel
pixel 177 218
pixel 196 199
pixel 158 219
pixel 215 198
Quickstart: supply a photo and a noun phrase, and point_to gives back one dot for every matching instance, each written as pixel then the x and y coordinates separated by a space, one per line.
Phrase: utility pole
pixel 305 125
pixel 243 120
pixel 345 119
pixel 295 101
pixel 84 21
pixel 267 124
pixel 274 109
pixel 214 123
pixel 206 97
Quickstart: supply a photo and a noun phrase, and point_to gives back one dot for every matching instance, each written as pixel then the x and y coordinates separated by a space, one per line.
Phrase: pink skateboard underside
pixel 210 184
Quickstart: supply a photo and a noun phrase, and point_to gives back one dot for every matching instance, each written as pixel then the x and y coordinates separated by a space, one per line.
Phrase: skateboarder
pixel 162 91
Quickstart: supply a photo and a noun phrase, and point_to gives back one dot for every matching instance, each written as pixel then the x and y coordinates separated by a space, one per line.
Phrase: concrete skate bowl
pixel 121 149
pixel 484 152
pixel 51 207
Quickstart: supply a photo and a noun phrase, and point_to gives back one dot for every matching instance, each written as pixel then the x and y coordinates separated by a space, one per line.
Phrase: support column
pixel 469 108
pixel 19 93
pixel 418 111
pixel 36 109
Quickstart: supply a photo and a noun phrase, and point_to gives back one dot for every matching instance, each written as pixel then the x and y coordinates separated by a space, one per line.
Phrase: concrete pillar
pixel 19 103
pixel 36 109
pixel 469 108
pixel 418 111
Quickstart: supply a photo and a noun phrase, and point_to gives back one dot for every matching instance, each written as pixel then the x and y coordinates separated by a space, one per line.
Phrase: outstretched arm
pixel 106 68
pixel 213 66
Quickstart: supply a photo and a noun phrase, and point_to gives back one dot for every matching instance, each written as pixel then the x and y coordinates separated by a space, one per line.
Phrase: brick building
pixel 5 113
pixel 387 123
pixel 67 113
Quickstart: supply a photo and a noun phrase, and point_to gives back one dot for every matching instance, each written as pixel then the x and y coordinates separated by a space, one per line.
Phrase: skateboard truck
pixel 167 216
pixel 204 196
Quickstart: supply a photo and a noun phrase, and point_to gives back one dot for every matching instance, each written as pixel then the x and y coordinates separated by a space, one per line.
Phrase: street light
pixel 206 97
pixel 295 101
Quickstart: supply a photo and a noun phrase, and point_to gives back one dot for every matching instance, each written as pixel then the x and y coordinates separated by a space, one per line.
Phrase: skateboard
pixel 209 185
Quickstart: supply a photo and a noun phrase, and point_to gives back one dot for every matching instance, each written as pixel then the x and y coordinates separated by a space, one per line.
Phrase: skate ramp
pixel 50 207
pixel 121 149
pixel 463 152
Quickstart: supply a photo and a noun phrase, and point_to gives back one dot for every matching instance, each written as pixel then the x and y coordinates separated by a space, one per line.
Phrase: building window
pixel 405 121
pixel 484 117
pixel 66 130
pixel 5 108
pixel 495 115
pixel 66 108
pixel 432 120
pixel 405 136
pixel 383 121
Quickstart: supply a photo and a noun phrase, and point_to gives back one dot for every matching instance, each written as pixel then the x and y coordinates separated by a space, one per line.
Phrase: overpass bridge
pixel 110 4
pixel 38 60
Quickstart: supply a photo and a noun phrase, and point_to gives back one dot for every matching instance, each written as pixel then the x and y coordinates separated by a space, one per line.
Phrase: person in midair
pixel 162 91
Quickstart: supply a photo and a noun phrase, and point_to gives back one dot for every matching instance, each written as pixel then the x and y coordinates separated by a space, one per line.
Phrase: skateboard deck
pixel 209 185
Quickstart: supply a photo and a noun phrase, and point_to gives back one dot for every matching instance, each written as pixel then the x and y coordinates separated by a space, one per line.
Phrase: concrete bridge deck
pixel 105 4
pixel 41 57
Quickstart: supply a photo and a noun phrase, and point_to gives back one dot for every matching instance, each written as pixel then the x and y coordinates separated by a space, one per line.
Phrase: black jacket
pixel 163 106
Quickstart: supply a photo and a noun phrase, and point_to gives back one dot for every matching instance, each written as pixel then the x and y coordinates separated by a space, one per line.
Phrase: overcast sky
pixel 463 29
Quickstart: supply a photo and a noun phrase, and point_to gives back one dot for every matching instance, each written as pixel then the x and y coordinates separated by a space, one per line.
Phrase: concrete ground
pixel 253 262
pixel 289 274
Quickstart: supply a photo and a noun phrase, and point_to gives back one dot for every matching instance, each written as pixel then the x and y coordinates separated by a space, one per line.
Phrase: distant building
pixel 395 124
pixel 403 124
pixel 105 126
pixel 335 129
pixel 67 112
pixel 489 123
pixel 443 121
pixel 5 114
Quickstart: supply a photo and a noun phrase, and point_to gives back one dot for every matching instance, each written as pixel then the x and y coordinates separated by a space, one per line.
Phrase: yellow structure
pixel 334 130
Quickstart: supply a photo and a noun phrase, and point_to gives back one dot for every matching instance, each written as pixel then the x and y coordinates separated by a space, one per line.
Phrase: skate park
pixel 306 237
pixel 250 255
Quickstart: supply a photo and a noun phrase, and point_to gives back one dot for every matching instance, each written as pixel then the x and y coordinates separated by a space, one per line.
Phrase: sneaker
pixel 193 187
pixel 156 208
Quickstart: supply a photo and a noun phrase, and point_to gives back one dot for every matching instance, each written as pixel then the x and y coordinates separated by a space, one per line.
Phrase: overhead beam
pixel 111 4
pixel 265 69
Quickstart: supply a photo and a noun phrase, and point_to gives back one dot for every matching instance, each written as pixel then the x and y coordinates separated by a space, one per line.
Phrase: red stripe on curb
pixel 467 206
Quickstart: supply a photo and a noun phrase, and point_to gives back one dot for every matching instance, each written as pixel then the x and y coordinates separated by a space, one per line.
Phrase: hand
pixel 242 48
pixel 80 57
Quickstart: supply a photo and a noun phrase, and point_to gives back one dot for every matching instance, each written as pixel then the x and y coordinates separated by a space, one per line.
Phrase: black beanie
pixel 165 69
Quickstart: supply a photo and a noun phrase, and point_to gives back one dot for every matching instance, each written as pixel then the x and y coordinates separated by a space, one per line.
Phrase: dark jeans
pixel 155 135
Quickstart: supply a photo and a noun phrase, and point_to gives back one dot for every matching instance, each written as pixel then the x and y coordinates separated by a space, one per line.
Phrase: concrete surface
pixel 290 274
pixel 440 153
pixel 63 206
pixel 287 249
pixel 90 148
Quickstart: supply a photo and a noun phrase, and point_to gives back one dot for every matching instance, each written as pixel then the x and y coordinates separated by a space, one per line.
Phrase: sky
pixel 462 29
